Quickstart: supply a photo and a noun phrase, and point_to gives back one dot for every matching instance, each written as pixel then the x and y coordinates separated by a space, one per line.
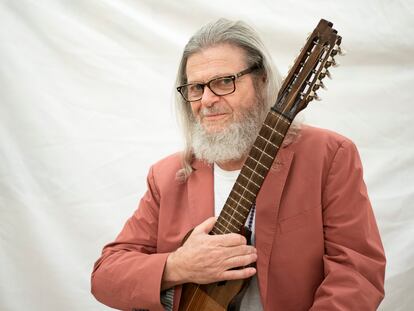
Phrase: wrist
pixel 172 275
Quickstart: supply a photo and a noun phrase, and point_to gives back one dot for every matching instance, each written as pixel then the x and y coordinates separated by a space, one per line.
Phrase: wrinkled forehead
pixel 215 61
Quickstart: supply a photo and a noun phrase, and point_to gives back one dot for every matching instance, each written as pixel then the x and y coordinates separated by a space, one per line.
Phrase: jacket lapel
pixel 267 209
pixel 200 193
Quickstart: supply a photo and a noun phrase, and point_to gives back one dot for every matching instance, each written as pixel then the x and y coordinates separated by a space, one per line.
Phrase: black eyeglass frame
pixel 233 77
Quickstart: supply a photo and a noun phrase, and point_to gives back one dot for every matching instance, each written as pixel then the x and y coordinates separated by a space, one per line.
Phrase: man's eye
pixel 195 87
pixel 225 81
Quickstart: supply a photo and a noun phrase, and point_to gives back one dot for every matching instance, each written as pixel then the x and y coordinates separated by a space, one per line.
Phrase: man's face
pixel 215 112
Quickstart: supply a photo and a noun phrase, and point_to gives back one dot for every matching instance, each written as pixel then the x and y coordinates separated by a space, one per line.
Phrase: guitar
pixel 298 89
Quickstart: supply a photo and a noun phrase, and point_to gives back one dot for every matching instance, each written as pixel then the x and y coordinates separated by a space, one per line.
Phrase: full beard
pixel 232 142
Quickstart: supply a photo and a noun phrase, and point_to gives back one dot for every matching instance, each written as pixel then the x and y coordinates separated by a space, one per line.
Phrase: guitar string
pixel 267 141
pixel 279 118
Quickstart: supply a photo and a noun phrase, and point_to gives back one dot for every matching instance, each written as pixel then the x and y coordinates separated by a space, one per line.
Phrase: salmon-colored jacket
pixel 316 236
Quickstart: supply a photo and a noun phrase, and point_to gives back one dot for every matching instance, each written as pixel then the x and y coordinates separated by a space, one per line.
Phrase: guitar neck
pixel 298 89
pixel 260 159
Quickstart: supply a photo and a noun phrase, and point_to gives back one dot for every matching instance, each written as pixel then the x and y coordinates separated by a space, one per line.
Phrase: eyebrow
pixel 213 77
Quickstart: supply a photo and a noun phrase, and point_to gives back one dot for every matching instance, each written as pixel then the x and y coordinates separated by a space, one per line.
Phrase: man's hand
pixel 208 258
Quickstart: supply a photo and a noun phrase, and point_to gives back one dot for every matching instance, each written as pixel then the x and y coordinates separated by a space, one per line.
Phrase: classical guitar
pixel 297 90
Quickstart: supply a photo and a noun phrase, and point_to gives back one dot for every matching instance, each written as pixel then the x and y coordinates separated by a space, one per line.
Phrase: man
pixel 316 243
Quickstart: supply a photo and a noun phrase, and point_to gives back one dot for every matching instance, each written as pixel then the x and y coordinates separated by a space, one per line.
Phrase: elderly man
pixel 315 242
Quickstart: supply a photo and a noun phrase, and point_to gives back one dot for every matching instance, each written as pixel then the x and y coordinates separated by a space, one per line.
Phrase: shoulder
pixel 317 149
pixel 163 172
pixel 320 135
pixel 320 140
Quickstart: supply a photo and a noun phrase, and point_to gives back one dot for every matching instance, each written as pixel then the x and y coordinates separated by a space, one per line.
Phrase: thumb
pixel 206 226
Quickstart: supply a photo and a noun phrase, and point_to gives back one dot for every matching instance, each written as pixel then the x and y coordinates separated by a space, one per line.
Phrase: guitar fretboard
pixel 259 161
pixel 297 90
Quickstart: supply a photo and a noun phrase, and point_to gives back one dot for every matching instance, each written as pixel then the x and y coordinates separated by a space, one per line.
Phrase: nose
pixel 209 98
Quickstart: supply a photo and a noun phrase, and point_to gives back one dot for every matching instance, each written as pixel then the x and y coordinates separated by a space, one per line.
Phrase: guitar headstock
pixel 310 68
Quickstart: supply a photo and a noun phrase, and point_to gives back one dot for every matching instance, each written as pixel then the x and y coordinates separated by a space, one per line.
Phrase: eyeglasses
pixel 192 92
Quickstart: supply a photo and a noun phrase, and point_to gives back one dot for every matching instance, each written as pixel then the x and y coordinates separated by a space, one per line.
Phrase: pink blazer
pixel 317 239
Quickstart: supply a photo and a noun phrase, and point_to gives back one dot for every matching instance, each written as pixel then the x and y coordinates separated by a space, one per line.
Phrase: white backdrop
pixel 86 92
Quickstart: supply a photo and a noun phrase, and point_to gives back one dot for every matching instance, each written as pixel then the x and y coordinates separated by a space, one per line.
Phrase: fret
pixel 232 217
pixel 219 223
pixel 221 232
pixel 229 223
pixel 242 198
pixel 252 170
pixel 266 148
pixel 280 117
pixel 246 188
pixel 216 230
pixel 248 178
pixel 274 130
pixel 259 163
pixel 237 202
pixel 234 209
pixel 268 141
pixel 264 152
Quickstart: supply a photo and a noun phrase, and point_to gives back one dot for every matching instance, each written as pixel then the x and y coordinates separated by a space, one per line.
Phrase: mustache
pixel 208 111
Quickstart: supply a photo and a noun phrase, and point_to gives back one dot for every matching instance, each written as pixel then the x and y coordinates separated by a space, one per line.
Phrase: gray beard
pixel 231 143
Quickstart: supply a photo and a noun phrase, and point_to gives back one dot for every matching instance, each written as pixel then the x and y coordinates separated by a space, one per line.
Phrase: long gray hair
pixel 236 33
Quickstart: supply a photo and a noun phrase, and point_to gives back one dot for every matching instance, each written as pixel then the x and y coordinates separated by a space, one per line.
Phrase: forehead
pixel 215 61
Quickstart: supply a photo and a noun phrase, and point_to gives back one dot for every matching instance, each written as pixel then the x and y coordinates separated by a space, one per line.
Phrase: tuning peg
pixel 313 95
pixel 338 50
pixel 318 84
pixel 331 62
pixel 322 85
pixel 325 73
pixel 335 63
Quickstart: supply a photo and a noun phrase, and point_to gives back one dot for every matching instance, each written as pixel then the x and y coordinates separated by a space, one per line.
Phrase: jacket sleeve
pixel 128 274
pixel 354 260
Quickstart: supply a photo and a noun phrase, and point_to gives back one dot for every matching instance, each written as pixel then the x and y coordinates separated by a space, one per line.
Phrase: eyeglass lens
pixel 219 86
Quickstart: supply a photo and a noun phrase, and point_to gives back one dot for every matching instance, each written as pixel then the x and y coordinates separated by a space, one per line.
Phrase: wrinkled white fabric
pixel 86 92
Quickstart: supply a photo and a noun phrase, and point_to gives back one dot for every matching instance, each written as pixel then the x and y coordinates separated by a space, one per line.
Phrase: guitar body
pixel 219 296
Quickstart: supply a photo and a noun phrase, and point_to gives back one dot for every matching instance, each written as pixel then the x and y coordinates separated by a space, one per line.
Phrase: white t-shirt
pixel 223 183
